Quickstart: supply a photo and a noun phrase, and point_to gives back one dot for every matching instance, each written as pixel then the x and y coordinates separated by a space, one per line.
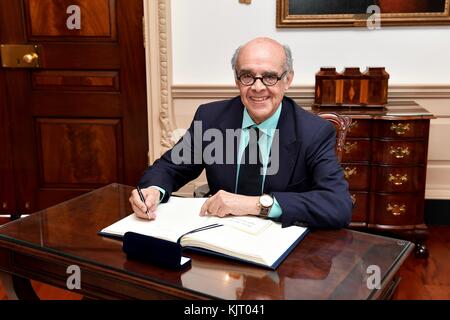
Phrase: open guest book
pixel 246 238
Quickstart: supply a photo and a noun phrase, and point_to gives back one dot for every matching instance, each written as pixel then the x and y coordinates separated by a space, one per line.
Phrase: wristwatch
pixel 265 203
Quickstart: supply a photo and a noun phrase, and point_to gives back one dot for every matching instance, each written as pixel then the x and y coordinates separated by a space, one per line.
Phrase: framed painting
pixel 357 13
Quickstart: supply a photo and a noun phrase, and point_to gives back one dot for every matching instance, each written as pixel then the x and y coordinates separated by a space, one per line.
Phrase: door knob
pixel 19 56
pixel 30 57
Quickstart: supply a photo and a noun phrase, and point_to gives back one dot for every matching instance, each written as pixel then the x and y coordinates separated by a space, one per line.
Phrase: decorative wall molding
pixel 438 178
pixel 164 60
pixel 159 76
pixel 415 91
pixel 437 194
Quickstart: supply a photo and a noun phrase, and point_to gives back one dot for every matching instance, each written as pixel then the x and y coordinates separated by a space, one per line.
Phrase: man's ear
pixel 288 81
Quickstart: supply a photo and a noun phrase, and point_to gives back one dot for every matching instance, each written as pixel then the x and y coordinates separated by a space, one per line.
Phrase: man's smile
pixel 259 99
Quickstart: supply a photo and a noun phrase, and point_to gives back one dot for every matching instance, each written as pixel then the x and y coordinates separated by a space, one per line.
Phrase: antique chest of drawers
pixel 384 162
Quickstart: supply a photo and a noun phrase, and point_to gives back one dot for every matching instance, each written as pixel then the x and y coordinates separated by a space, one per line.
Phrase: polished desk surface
pixel 325 265
pixel 394 110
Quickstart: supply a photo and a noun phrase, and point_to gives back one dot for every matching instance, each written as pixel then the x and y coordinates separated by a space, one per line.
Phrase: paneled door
pixel 73 99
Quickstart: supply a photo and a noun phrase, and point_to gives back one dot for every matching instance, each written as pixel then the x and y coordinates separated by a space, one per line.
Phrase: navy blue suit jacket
pixel 309 185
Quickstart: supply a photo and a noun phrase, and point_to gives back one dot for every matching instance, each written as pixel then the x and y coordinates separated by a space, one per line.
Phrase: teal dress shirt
pixel 267 128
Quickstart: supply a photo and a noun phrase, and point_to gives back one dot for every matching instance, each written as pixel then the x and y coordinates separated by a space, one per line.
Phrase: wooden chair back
pixel 342 125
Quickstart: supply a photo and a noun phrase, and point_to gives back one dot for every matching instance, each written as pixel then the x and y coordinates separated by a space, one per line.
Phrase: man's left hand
pixel 225 203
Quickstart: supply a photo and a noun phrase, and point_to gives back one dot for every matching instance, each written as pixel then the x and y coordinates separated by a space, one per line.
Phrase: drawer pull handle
pixel 399 152
pixel 27 205
pixel 396 209
pixel 5 205
pixel 350 146
pixel 348 172
pixel 398 179
pixel 353 196
pixel 400 128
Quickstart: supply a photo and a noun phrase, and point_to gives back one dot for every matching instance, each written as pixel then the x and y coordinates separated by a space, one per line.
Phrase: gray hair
pixel 288 64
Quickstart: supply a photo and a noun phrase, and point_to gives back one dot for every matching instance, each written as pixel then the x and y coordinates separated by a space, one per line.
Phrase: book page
pixel 173 219
pixel 249 224
pixel 245 237
pixel 179 216
pixel 264 248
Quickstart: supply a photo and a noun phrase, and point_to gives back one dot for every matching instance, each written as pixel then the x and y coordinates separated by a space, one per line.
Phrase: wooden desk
pixel 325 265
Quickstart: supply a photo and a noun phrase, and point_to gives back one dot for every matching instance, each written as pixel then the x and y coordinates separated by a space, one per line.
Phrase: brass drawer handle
pixel 396 209
pixel 348 172
pixel 27 205
pixel 398 179
pixel 400 128
pixel 353 196
pixel 399 152
pixel 5 205
pixel 348 147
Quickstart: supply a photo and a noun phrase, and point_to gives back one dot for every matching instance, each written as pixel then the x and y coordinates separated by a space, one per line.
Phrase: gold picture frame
pixel 351 13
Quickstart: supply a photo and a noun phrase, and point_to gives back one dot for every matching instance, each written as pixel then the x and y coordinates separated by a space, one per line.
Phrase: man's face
pixel 259 59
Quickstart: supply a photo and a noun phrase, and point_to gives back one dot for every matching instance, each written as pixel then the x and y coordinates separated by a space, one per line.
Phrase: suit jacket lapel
pixel 287 151
pixel 232 119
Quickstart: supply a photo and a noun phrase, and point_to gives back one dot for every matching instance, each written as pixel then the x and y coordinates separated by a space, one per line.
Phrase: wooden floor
pixel 428 279
pixel 421 278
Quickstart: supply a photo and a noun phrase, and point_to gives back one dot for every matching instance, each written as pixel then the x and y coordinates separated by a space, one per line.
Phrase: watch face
pixel 266 200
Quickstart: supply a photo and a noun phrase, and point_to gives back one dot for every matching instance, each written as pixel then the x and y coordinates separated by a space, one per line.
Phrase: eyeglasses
pixel 270 79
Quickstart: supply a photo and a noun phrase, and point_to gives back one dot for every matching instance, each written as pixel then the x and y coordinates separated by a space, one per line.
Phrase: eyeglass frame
pixel 261 78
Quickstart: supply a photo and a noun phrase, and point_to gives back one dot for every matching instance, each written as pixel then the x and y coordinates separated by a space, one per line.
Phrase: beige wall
pixel 172 106
pixel 206 32
pixel 436 99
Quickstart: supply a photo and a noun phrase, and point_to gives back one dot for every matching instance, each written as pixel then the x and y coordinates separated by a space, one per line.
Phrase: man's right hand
pixel 151 196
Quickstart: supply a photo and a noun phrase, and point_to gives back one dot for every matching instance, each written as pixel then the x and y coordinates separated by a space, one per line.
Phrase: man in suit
pixel 295 177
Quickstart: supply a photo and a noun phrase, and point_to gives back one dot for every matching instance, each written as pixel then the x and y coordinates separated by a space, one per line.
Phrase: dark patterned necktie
pixel 250 177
